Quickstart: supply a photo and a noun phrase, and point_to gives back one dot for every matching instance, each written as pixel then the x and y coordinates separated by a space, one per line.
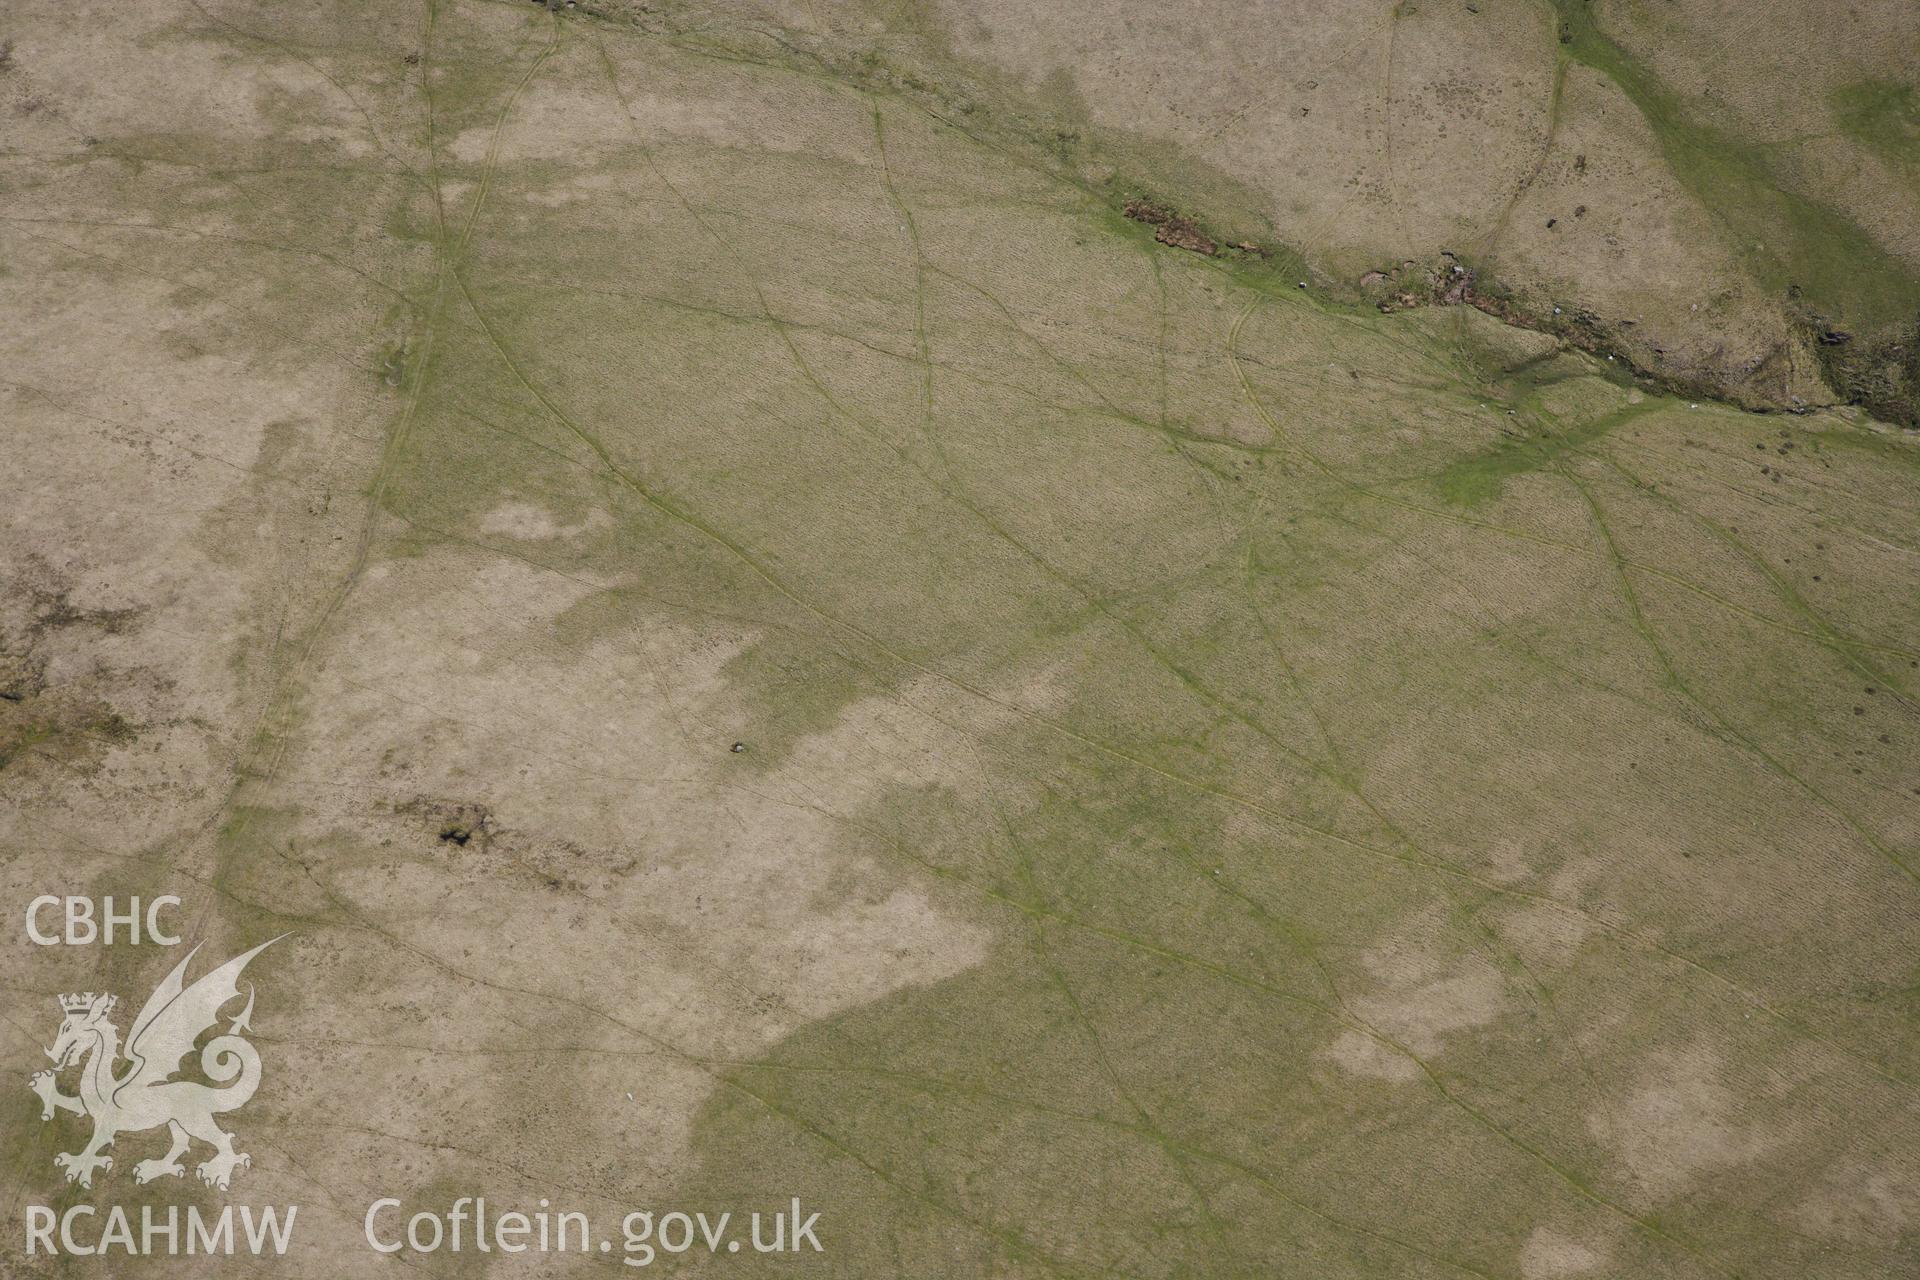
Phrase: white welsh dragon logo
pixel 145 1096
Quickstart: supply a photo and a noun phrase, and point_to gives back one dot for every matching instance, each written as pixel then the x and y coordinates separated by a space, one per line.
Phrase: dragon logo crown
pixel 82 1001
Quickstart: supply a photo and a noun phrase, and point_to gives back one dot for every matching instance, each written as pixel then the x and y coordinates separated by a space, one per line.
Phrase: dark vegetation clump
pixel 454 823
pixel 1881 375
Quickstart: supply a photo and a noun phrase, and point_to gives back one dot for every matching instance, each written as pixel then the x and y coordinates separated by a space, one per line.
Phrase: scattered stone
pixel 1171 228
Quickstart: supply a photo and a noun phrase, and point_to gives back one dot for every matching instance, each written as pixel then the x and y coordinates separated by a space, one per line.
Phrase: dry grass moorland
pixel 771 624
